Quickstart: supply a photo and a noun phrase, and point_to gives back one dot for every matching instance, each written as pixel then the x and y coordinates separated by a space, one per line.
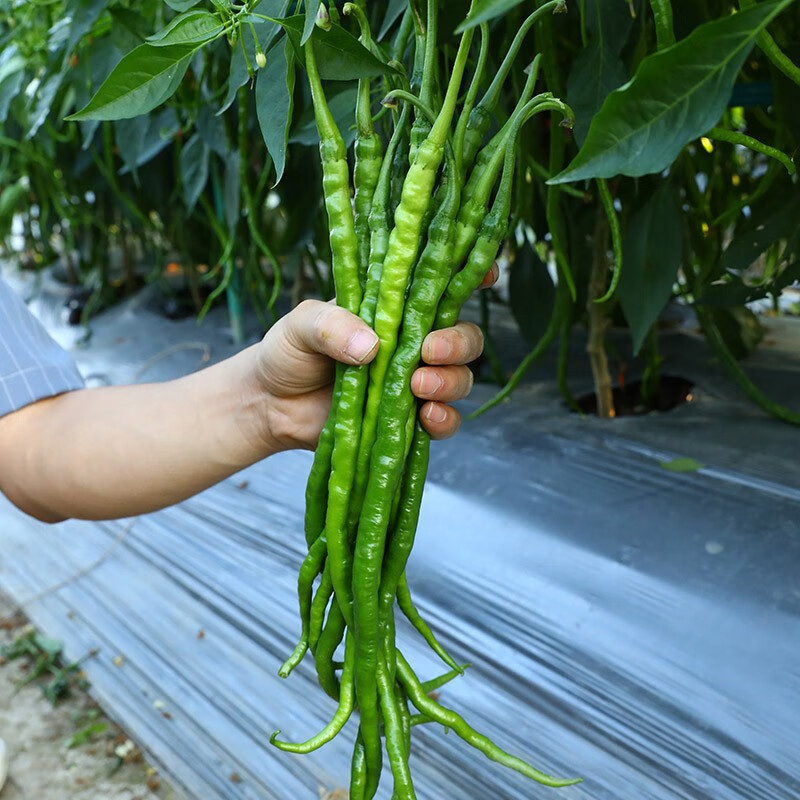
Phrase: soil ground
pixel 37 735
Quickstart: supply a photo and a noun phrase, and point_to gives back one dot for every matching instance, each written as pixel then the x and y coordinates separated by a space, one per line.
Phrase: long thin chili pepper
pixel 329 640
pixel 312 564
pixel 472 96
pixel 406 604
pixel 422 124
pixel 395 734
pixel 455 722
pixel 481 117
pixel 368 152
pixel 334 727
pixel 487 154
pixel 437 683
pixel 484 177
pixel 616 238
pixel 493 229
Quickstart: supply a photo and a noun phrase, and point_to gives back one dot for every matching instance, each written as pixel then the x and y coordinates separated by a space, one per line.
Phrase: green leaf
pixel 676 95
pixel 598 68
pixel 49 646
pixel 194 168
pixel 239 75
pixel 161 131
pixel 484 10
pixel 129 28
pixel 772 220
pixel 275 103
pixel 393 12
pixel 733 292
pixel 681 465
pixel 192 27
pixel 143 80
pixel 309 22
pixel 9 89
pixel 44 100
pixel 532 294
pixel 340 56
pixel 653 251
pixel 84 14
pixel 213 132
pixel 86 734
pixel 181 5
pixel 130 137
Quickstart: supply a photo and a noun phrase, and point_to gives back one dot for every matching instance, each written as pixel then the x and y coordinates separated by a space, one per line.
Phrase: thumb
pixel 323 328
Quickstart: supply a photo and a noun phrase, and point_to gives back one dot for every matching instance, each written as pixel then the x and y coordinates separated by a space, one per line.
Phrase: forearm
pixel 121 451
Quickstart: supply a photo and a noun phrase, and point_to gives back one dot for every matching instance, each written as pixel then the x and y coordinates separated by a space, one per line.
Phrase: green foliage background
pixel 137 134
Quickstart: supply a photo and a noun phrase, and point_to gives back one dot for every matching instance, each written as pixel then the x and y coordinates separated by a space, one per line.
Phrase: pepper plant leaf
pixel 194 168
pixel 84 14
pixel 312 7
pixel 484 10
pixel 532 294
pixel 598 68
pixel 653 252
pixel 143 80
pixel 340 56
pixel 676 95
pixel 181 5
pixel 193 27
pixel 393 11
pixel 275 103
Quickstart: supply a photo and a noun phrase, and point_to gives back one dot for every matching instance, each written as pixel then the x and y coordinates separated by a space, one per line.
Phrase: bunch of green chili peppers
pixel 412 237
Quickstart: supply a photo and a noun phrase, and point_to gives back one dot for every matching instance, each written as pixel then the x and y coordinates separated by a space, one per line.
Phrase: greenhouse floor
pixel 627 623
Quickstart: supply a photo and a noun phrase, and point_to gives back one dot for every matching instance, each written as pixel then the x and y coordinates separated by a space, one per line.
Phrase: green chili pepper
pixel 455 722
pixel 437 683
pixel 406 605
pixel 486 155
pixel 358 771
pixel 493 229
pixel 317 486
pixel 346 703
pixel 472 96
pixel 483 179
pixel 329 640
pixel 318 607
pixel 368 152
pixel 481 117
pixel 309 570
pixel 395 734
pixel 422 124
pixel 336 189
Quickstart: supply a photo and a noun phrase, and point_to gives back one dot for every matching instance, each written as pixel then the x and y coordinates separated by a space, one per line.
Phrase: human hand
pixel 295 366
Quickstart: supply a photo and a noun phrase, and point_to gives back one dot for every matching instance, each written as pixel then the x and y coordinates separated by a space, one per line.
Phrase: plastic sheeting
pixel 635 626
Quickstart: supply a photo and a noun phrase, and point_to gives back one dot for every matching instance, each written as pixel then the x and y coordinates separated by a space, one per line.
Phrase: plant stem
pixel 599 321
pixel 489 350
pixel 735 370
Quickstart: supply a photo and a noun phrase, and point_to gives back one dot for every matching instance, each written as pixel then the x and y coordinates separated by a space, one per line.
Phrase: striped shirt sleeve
pixel 32 365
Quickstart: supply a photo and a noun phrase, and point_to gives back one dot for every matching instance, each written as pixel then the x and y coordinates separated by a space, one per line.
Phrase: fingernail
pixel 430 382
pixel 436 413
pixel 361 345
pixel 441 350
